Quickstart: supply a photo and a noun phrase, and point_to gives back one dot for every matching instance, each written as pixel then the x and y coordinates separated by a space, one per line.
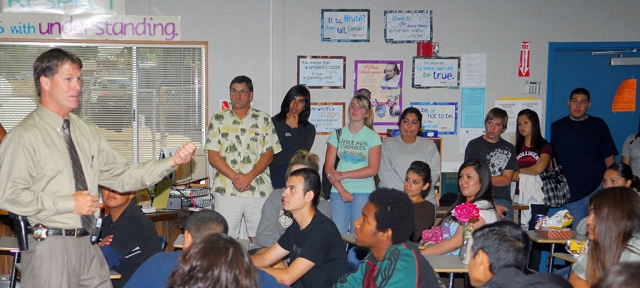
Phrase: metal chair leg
pixel 14 270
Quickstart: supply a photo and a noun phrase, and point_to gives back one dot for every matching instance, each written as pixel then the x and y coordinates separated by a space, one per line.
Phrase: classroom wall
pixel 262 38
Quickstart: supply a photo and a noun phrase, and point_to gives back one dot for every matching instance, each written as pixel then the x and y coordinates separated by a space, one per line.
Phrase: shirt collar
pixel 51 119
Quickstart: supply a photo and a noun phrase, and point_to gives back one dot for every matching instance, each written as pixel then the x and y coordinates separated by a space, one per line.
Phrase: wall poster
pixel 402 26
pixel 383 79
pixel 441 116
pixel 322 72
pixel 344 25
pixel 436 72
pixel 327 116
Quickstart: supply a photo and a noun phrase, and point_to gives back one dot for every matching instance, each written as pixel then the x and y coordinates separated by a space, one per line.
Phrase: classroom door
pixel 572 65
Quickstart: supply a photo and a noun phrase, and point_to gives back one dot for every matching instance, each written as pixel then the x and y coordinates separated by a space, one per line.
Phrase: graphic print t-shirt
pixel 527 158
pixel 353 151
pixel 499 156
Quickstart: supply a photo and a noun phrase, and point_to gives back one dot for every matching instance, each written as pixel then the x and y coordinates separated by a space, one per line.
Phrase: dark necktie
pixel 88 221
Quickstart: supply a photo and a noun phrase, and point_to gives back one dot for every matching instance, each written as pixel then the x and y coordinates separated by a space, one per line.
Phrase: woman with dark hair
pixel 534 152
pixel 294 131
pixel 631 152
pixel 617 175
pixel 416 184
pixel 398 152
pixel 613 229
pixel 216 260
pixel 474 180
pixel 533 156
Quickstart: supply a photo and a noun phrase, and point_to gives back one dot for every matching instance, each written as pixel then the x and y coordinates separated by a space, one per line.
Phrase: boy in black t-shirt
pixel 312 242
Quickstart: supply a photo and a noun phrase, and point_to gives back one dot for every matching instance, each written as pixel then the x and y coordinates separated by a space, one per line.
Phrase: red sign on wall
pixel 523 70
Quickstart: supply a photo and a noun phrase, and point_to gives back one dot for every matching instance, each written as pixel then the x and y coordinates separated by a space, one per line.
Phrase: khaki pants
pixel 61 261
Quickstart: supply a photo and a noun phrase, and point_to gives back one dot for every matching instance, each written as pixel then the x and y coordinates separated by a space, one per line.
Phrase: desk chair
pixel 163 241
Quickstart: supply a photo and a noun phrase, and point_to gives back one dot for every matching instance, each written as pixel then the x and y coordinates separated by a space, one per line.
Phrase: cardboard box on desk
pixel 564 233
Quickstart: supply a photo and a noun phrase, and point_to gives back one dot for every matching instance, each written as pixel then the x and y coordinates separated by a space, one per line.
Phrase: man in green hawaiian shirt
pixel 241 142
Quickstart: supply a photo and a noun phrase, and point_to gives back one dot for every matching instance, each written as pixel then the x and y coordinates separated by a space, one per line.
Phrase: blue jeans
pixel 343 214
pixel 506 203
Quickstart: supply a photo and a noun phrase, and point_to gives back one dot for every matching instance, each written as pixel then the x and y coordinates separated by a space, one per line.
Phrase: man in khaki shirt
pixel 241 143
pixel 37 181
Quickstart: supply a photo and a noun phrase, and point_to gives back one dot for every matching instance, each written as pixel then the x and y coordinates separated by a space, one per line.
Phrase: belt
pixel 78 232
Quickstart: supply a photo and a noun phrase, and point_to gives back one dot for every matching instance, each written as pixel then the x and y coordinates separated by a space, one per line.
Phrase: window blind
pixel 144 97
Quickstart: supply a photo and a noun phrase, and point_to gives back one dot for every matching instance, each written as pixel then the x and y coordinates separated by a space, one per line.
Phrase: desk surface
pixel 566 257
pixel 447 264
pixel 518 206
pixel 535 238
pixel 8 243
pixel 179 241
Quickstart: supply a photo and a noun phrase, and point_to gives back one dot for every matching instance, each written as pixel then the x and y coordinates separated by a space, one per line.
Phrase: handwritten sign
pixel 327 116
pixel 102 7
pixel 99 27
pixel 321 72
pixel 430 72
pixel 441 116
pixel 408 26
pixel 342 25
pixel 625 98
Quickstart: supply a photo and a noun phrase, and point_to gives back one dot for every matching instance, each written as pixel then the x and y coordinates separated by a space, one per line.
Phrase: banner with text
pixel 441 116
pixel 341 25
pixel 322 72
pixel 327 116
pixel 408 26
pixel 101 7
pixel 432 72
pixel 98 27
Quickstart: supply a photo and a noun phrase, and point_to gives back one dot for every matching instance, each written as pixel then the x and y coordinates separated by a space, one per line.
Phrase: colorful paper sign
pixel 432 72
pixel 525 52
pixel 473 102
pixel 98 27
pixel 408 26
pixel 441 116
pixel 327 116
pixel 344 25
pixel 625 98
pixel 322 72
pixel 383 80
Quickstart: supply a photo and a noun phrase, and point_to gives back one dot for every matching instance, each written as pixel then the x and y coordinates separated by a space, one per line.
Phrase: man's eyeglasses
pixel 242 92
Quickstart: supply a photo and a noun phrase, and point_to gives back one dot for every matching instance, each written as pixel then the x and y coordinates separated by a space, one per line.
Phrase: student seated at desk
pixel 474 180
pixel 275 220
pixel 394 261
pixel 613 229
pixel 128 236
pixel 155 272
pixel 499 256
pixel 312 242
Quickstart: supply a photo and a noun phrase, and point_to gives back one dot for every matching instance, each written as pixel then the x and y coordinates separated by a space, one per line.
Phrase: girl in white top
pixel 474 179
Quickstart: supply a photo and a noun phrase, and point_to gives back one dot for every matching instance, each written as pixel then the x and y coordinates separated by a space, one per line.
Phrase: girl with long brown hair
pixel 613 229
